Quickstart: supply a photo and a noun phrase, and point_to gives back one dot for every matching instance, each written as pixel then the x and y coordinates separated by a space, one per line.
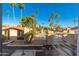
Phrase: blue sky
pixel 67 12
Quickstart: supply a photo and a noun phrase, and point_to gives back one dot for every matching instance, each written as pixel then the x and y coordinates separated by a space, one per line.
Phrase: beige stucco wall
pixel 73 31
pixel 3 32
pixel 13 34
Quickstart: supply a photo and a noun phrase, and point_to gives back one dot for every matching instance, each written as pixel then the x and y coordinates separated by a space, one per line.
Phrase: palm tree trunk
pixel 57 22
pixel 8 19
pixel 21 13
pixel 14 16
pixel 47 37
pixel 51 24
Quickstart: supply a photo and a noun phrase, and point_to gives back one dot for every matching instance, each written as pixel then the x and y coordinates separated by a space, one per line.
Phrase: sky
pixel 68 12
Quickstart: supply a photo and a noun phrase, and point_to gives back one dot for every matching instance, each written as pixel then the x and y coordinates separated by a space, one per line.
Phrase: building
pixel 12 33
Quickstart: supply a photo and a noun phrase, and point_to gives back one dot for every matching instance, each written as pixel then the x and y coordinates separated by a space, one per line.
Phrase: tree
pixel 53 15
pixel 59 29
pixel 36 12
pixel 13 6
pixel 51 20
pixel 57 21
pixel 29 22
pixel 21 6
pixel 40 28
pixel 34 16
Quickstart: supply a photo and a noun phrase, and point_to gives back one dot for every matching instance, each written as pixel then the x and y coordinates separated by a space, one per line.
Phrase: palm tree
pixel 51 20
pixel 29 22
pixel 21 6
pixel 53 15
pixel 57 21
pixel 33 15
pixel 8 12
pixel 13 6
pixel 36 12
pixel 74 22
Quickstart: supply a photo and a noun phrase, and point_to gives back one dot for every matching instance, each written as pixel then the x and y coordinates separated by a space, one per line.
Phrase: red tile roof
pixel 17 28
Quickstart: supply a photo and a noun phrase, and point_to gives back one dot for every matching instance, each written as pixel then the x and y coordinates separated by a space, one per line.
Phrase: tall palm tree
pixel 74 22
pixel 21 6
pixel 57 17
pixel 51 20
pixel 53 15
pixel 34 15
pixel 8 12
pixel 36 12
pixel 13 6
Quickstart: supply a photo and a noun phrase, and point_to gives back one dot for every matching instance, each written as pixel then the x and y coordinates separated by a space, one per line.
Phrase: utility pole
pixel 78 40
pixel 77 21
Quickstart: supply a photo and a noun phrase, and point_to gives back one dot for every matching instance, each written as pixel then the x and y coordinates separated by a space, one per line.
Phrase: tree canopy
pixel 28 21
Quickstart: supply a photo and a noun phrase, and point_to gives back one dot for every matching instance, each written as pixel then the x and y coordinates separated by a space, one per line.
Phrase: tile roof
pixel 13 27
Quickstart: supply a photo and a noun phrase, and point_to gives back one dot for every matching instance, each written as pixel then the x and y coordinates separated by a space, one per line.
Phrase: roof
pixel 73 28
pixel 13 27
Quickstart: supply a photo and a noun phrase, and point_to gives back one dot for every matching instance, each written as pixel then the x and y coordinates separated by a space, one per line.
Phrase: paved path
pixel 59 49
